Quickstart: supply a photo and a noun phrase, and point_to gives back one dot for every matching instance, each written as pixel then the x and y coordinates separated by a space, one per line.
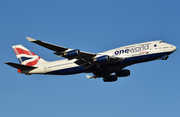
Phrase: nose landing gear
pixel 165 57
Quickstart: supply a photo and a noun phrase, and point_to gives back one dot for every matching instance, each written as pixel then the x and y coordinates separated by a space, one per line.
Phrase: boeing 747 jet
pixel 109 65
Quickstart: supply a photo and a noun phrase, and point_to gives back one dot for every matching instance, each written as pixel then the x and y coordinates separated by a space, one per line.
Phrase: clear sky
pixel 152 89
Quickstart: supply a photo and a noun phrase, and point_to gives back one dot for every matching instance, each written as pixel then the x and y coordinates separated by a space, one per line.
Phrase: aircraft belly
pixel 67 71
pixel 64 69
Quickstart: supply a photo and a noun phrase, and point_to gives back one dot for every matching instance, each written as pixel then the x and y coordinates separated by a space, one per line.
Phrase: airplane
pixel 109 64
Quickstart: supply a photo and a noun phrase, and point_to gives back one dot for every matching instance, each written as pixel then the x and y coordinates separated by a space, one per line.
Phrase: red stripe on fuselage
pixel 143 52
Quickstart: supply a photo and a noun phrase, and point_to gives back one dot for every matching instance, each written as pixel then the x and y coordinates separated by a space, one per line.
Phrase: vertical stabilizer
pixel 26 57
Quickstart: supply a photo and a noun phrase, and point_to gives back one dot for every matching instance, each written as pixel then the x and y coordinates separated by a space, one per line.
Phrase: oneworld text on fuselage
pixel 139 48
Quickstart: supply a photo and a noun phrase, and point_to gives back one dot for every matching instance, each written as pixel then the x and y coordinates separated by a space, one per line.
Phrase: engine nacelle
pixel 72 53
pixel 110 78
pixel 100 59
pixel 123 73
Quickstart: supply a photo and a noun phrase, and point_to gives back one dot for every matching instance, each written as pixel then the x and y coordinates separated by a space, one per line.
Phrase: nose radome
pixel 175 48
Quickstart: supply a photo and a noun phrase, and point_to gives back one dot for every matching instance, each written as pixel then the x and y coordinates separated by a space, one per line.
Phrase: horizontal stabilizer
pixel 19 66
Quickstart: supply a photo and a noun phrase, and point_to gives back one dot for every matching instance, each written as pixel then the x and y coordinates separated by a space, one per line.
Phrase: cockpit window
pixel 161 41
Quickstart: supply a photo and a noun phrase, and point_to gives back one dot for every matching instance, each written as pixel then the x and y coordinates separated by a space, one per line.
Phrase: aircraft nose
pixel 175 48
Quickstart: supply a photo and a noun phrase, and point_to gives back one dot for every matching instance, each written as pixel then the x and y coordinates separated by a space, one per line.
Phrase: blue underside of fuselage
pixel 128 61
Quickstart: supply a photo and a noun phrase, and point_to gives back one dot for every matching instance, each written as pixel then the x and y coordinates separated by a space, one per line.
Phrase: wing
pixel 61 51
pixel 84 59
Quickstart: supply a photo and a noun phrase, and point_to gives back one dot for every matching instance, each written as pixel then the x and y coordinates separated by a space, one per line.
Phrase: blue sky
pixel 152 90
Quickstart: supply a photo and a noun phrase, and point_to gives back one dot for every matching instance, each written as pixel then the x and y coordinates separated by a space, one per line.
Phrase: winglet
pixel 30 39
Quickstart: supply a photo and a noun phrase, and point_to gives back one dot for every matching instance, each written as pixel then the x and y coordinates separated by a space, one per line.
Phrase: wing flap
pixel 112 58
pixel 87 54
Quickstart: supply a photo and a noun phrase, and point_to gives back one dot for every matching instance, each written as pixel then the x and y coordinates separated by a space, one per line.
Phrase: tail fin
pixel 26 57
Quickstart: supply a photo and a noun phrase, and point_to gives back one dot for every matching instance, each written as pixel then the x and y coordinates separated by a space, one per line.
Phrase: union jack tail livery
pixel 26 57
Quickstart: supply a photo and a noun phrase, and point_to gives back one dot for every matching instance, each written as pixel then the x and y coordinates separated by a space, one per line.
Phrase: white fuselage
pixel 132 54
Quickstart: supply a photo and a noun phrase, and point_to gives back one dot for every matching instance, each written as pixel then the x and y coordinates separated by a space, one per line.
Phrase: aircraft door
pixel 45 69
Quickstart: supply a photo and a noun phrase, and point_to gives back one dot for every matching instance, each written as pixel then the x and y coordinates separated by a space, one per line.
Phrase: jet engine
pixel 71 53
pixel 110 78
pixel 123 73
pixel 100 59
